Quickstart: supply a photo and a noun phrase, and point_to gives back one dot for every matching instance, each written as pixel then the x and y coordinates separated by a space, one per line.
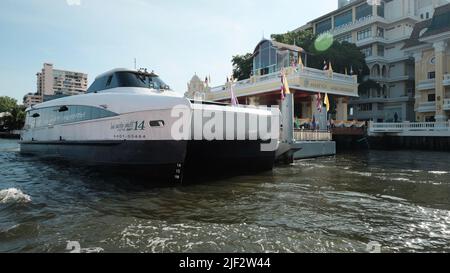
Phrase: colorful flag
pixel 300 62
pixel 282 86
pixel 319 102
pixel 325 65
pixel 234 100
pixel 327 102
pixel 286 88
pixel 330 68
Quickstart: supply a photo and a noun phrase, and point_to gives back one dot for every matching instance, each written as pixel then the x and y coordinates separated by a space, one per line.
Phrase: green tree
pixel 16 119
pixel 242 66
pixel 7 104
pixel 343 56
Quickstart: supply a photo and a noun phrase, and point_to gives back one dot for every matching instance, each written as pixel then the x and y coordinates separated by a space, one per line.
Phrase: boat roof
pixel 115 70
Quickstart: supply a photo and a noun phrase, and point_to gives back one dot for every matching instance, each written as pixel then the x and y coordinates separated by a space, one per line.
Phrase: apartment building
pixel 52 82
pixel 380 28
pixel 32 99
pixel 429 45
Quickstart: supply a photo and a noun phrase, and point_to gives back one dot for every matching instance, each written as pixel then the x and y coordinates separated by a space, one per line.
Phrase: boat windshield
pixel 135 79
pixel 128 79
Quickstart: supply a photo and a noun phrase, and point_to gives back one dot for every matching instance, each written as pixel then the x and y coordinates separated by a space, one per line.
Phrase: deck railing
pixel 307 135
pixel 297 72
pixel 408 127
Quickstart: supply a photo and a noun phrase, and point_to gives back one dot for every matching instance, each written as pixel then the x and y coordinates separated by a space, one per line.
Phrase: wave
pixel 437 172
pixel 13 196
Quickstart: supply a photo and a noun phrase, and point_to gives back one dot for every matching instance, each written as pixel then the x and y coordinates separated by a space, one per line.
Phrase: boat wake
pixel 13 196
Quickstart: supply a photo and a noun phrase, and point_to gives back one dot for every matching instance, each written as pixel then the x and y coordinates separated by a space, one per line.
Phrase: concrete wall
pixel 315 149
pixel 410 143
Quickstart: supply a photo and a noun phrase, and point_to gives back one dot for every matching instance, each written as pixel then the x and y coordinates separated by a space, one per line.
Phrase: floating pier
pixel 301 144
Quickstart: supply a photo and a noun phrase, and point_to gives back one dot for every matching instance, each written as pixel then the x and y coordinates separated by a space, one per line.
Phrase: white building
pixel 380 28
pixel 52 81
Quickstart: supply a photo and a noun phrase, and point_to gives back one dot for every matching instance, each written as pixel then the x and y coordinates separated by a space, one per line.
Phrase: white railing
pixel 303 135
pixel 426 84
pixel 408 127
pixel 299 72
pixel 447 104
pixel 425 107
pixel 447 79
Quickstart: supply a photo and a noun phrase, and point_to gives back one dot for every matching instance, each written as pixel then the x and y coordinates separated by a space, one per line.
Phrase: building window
pixel 431 97
pixel 428 15
pixel 380 32
pixel 364 34
pixel 431 75
pixel 323 26
pixel 346 38
pixel 365 107
pixel 380 9
pixel 381 50
pixel 343 19
pixel 363 11
pixel 367 51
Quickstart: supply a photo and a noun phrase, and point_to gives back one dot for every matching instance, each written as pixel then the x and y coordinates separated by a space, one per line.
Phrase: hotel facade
pixel 429 45
pixel 380 29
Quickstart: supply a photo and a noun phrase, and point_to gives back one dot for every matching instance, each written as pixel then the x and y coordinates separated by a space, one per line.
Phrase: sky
pixel 175 38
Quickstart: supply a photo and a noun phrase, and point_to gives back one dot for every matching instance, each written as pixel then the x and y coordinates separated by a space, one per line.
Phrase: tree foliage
pixel 343 56
pixel 15 119
pixel 7 104
pixel 242 66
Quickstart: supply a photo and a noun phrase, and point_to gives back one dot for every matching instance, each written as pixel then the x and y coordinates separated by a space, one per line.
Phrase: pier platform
pixel 433 136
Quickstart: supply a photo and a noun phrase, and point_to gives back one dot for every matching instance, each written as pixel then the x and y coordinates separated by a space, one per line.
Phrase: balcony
pixel 446 105
pixel 447 80
pixel 304 79
pixel 307 135
pixel 357 24
pixel 381 99
pixel 427 107
pixel 427 84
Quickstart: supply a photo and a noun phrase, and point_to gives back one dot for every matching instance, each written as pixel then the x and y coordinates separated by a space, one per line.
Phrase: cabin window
pixel 75 113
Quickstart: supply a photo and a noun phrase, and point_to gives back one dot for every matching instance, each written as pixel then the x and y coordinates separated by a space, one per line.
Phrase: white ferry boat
pixel 126 119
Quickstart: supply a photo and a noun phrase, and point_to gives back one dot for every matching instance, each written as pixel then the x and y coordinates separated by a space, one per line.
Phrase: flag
pixel 330 68
pixel 300 62
pixel 346 71
pixel 206 80
pixel 351 70
pixel 325 65
pixel 234 100
pixel 282 86
pixel 286 88
pixel 319 102
pixel 327 102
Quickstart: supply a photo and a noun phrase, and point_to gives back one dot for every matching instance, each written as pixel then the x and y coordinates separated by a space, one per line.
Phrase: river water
pixel 398 200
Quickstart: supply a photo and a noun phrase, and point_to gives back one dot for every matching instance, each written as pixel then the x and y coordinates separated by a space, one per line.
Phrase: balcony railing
pixel 426 84
pixel 408 127
pixel 291 74
pixel 447 104
pixel 426 107
pixel 307 135
pixel 447 79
